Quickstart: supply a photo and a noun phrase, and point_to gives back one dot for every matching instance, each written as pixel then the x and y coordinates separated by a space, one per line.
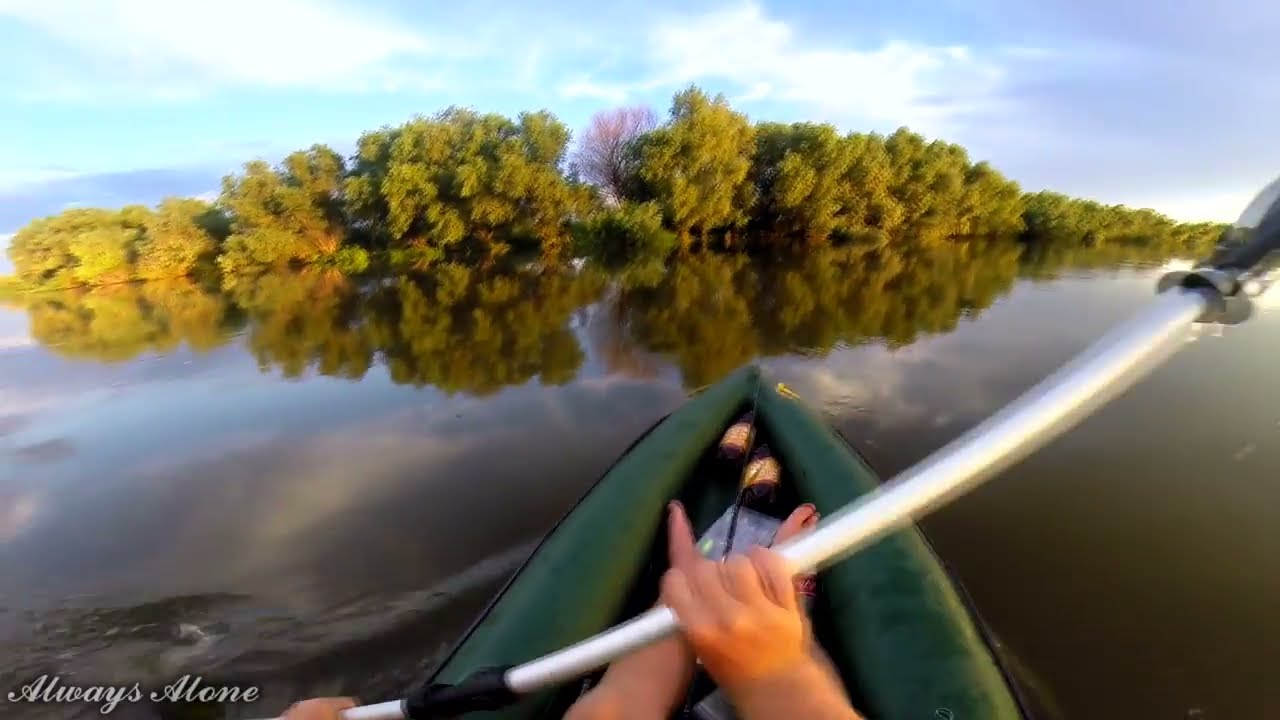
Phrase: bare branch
pixel 602 151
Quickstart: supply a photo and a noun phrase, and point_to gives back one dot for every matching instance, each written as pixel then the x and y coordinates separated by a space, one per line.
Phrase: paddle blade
pixel 1264 204
pixel 1252 245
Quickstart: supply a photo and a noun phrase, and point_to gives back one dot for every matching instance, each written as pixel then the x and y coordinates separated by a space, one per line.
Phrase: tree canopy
pixel 293 213
pixel 471 187
pixel 462 180
pixel 84 246
pixel 802 178
pixel 697 166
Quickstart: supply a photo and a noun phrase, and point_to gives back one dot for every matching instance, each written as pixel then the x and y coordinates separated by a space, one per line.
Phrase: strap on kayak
pixel 746 461
pixel 484 690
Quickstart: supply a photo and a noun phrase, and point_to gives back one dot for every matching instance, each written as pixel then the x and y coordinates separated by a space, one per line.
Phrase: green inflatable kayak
pixel 889 617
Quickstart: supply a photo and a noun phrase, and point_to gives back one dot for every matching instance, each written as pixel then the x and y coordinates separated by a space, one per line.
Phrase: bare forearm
pixel 667 663
pixel 647 684
pixel 807 690
pixel 829 668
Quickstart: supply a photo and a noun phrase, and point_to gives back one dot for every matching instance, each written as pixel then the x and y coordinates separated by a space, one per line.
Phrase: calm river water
pixel 314 483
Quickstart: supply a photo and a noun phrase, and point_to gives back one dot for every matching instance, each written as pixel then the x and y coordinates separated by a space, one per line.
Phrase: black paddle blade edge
pixel 1243 265
pixel 1252 244
pixel 484 690
pixel 1227 305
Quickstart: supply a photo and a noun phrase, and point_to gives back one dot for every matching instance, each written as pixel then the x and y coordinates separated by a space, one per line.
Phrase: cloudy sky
pixel 1147 102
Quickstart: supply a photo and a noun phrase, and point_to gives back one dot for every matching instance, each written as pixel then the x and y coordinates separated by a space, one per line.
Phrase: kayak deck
pixel 889 617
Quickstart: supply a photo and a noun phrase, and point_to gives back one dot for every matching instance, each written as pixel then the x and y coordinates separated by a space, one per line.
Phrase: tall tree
pixel 697 167
pixel 315 206
pixel 1053 217
pixel 290 214
pixel 366 206
pixel 462 178
pixel 928 179
pixel 991 205
pixel 602 155
pixel 872 211
pixel 799 172
pixel 179 234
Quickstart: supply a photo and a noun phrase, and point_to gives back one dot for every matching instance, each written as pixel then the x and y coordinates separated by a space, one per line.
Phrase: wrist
pixel 800 679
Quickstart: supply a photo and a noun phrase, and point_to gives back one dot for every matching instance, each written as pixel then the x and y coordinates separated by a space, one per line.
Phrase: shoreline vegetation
pixel 461 187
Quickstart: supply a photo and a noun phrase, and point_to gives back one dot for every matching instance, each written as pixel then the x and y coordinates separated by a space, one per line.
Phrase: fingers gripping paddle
pixel 1220 291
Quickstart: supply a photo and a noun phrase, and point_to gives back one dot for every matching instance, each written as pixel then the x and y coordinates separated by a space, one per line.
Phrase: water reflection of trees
pixel 307 320
pixel 719 312
pixel 462 329
pixel 1046 262
pixel 120 322
pixel 465 331
pixel 458 329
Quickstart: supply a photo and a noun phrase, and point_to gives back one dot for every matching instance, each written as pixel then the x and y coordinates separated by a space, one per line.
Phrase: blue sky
pixel 1164 104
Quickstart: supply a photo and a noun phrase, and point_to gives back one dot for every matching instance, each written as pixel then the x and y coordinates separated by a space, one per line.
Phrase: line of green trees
pixel 472 187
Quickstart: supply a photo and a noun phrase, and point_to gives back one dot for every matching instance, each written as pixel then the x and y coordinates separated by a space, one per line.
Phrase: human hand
pixel 740 616
pixel 682 548
pixel 319 709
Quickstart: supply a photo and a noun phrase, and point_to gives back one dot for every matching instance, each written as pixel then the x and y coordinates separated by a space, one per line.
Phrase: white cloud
pixel 1087 116
pixel 586 88
pixel 17 177
pixel 759 91
pixel 177 50
pixel 900 82
pixel 762 59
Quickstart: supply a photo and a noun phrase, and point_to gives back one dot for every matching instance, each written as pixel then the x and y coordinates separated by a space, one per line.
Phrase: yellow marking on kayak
pixel 786 392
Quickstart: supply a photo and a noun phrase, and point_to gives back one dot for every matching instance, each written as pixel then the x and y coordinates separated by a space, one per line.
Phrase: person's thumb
pixel 680 542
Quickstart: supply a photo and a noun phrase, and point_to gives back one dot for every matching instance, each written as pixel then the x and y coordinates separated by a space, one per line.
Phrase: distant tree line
pixel 470 187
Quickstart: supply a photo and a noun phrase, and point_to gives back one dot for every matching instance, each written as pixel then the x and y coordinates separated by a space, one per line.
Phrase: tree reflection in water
pixel 470 330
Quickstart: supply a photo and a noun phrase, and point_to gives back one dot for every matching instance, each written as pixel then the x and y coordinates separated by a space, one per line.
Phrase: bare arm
pixel 650 683
pixel 804 690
